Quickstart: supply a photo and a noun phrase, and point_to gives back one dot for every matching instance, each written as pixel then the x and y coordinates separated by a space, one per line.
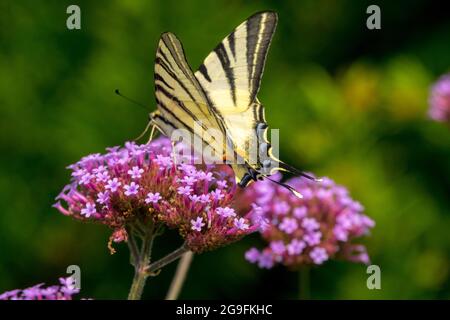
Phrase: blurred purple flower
pixel 439 100
pixel 137 184
pixel 318 255
pixel 252 255
pixel 226 212
pixel 241 224
pixel 64 291
pixel 289 225
pixel 307 231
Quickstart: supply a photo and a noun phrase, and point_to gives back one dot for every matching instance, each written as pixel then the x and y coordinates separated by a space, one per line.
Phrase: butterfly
pixel 221 97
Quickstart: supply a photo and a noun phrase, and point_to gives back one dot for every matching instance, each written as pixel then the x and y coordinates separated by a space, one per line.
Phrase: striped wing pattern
pixel 181 101
pixel 231 73
pixel 221 95
pixel 231 76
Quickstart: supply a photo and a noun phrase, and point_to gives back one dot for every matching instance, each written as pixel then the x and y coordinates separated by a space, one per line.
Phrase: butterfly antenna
pixel 284 185
pixel 131 100
pixel 142 106
pixel 293 170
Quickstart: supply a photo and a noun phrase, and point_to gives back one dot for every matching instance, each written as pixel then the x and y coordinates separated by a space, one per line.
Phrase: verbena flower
pixel 308 231
pixel 439 100
pixel 64 291
pixel 128 186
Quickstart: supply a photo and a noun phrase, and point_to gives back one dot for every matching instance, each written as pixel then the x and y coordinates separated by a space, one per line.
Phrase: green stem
pixel 140 259
pixel 304 283
pixel 141 262
pixel 137 287
pixel 132 246
pixel 171 257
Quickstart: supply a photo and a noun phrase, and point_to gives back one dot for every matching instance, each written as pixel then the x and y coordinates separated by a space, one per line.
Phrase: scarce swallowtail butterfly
pixel 221 97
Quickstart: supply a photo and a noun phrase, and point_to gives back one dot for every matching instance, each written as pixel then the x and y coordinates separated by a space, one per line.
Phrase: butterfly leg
pixel 152 132
pixel 143 133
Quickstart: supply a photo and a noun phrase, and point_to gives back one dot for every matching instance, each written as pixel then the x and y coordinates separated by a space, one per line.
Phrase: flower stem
pixel 154 267
pixel 304 283
pixel 180 276
pixel 137 287
pixel 141 262
pixel 132 246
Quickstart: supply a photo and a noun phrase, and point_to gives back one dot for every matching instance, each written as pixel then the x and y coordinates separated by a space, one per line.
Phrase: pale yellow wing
pixel 230 77
pixel 180 99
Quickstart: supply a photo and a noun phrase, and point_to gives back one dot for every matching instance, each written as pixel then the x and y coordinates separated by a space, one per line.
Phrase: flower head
pixel 439 100
pixel 307 231
pixel 144 184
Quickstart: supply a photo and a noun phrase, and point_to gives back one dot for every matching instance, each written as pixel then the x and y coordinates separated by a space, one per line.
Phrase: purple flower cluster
pixel 439 100
pixel 130 185
pixel 307 231
pixel 64 291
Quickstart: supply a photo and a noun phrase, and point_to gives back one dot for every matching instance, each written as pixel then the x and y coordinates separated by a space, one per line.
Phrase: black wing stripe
pixel 173 115
pixel 168 67
pixel 159 61
pixel 165 65
pixel 232 43
pixel 225 62
pixel 181 124
pixel 174 51
pixel 181 105
pixel 238 62
pixel 259 35
pixel 253 26
pixel 169 71
pixel 178 55
pixel 161 79
pixel 204 72
pixel 167 122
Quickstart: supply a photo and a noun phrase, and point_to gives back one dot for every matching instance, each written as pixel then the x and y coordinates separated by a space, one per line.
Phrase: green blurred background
pixel 350 104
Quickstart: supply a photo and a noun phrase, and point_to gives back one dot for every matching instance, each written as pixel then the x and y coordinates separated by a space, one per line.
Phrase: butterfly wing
pixel 220 96
pixel 231 74
pixel 230 77
pixel 180 99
